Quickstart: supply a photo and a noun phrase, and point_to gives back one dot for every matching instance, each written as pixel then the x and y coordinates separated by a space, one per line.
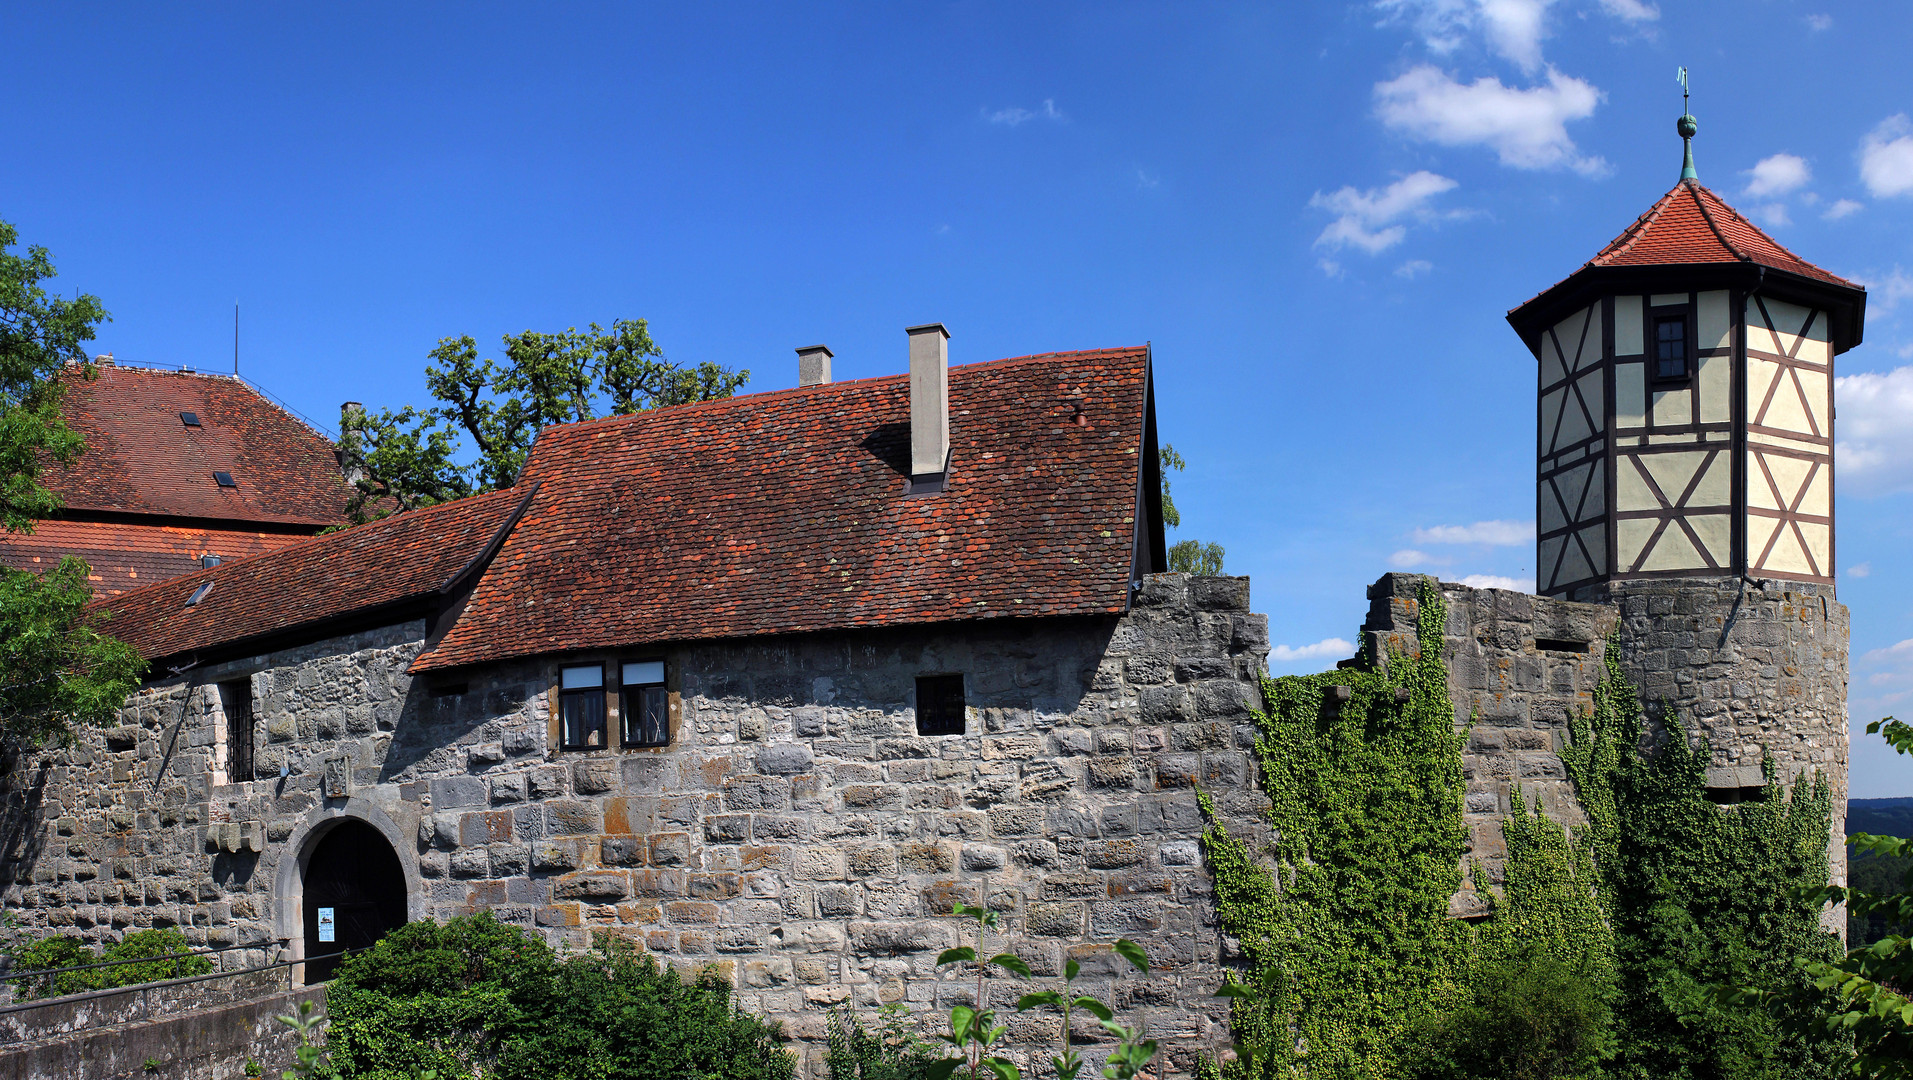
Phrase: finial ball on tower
pixel 1687 127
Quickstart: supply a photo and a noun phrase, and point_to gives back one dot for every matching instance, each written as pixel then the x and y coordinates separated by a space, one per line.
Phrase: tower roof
pixel 1692 239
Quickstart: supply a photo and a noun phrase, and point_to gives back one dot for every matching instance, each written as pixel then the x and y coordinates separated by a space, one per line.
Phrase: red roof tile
pixel 1691 224
pixel 141 458
pixel 786 512
pixel 405 558
pixel 127 555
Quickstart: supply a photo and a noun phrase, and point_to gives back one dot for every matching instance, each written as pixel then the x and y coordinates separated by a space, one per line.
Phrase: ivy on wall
pixel 1660 897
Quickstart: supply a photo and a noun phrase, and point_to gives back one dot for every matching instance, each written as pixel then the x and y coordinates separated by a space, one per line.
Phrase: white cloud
pixel 1327 647
pixel 1773 215
pixel 1887 293
pixel 1527 128
pixel 1146 180
pixel 1874 452
pixel 1778 175
pixel 1495 581
pixel 1490 533
pixel 1860 570
pixel 1406 558
pixel 1819 22
pixel 1014 115
pixel 1331 268
pixel 1886 158
pixel 1842 208
pixel 1631 10
pixel 1898 651
pixel 1370 219
pixel 1413 268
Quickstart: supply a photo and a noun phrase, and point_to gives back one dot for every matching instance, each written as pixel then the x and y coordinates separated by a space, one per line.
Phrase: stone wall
pixel 1518 667
pixel 798 833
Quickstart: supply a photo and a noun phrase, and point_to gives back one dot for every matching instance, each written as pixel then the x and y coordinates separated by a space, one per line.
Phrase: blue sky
pixel 1317 213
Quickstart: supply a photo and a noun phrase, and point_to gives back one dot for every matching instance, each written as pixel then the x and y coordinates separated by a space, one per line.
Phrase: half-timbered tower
pixel 1686 403
pixel 1686 477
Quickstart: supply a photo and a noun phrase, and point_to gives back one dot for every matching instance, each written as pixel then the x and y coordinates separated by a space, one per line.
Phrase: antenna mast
pixel 1687 127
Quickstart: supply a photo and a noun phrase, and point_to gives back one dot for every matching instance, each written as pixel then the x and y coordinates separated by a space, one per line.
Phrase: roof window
pixel 189 419
pixel 224 479
pixel 199 593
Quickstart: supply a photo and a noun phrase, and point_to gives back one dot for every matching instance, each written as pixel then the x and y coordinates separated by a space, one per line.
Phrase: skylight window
pixel 189 419
pixel 224 479
pixel 199 593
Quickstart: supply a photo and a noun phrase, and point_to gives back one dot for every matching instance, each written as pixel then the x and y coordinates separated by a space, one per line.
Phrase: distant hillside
pixel 1888 817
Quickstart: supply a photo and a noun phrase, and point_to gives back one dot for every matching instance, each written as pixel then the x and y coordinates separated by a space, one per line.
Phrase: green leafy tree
pixel 1185 556
pixel 160 949
pixel 56 665
pixel 410 458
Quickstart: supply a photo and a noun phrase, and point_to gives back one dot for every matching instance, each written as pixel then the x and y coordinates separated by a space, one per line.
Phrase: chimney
pixel 813 365
pixel 105 359
pixel 929 406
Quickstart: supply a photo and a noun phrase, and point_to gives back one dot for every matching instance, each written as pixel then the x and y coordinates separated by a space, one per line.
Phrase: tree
pixel 56 665
pixel 1185 556
pixel 411 458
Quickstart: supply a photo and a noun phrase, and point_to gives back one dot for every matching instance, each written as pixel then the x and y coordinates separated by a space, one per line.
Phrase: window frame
pixel 242 728
pixel 627 708
pixel 1657 317
pixel 937 684
pixel 568 694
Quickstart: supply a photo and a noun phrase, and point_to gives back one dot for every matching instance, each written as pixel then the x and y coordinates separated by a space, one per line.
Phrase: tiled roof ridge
pixel 1719 234
pixel 224 376
pixel 303 543
pixel 790 391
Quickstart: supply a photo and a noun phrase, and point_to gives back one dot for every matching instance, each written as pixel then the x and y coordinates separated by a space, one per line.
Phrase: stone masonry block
pixel 455 791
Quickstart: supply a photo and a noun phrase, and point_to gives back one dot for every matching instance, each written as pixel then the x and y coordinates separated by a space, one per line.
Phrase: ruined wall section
pixel 1518 667
pixel 798 832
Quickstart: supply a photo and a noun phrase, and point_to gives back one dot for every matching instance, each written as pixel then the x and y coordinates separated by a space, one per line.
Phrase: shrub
pixel 475 997
pixel 60 952
pixel 1528 1017
pixel 891 1053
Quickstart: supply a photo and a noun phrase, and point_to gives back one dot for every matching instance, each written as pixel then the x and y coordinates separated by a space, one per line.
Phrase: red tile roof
pixel 127 555
pixel 1691 224
pixel 140 458
pixel 399 560
pixel 786 512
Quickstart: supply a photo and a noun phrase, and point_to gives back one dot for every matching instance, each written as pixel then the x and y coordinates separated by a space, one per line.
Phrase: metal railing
pixel 36 973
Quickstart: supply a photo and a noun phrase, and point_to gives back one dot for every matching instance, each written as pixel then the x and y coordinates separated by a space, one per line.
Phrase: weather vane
pixel 1687 128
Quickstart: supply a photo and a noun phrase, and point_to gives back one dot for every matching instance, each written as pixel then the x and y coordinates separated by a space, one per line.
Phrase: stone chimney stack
pixel 929 406
pixel 813 365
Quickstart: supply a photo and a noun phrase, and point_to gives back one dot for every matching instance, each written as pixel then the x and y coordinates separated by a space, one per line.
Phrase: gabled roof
pixel 392 566
pixel 1691 238
pixel 1691 225
pixel 142 458
pixel 787 512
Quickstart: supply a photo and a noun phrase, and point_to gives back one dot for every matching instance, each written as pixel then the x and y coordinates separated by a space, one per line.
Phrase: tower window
pixel 644 710
pixel 1670 347
pixel 235 700
pixel 940 709
pixel 581 707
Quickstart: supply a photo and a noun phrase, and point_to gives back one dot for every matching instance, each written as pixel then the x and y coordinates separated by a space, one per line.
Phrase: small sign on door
pixel 328 927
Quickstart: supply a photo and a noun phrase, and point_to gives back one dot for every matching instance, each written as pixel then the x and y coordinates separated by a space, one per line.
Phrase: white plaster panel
pixel 1550 419
pixel 1595 540
pixel 1759 338
pixel 1630 534
pixel 1759 531
pixel 1673 551
pixel 1716 381
pixel 1789 322
pixel 1569 331
pixel 1628 326
pixel 1574 567
pixel 1819 402
pixel 1668 299
pixel 1551 370
pixel 1630 489
pixel 1673 472
pixel 1552 517
pixel 1630 395
pixel 1595 504
pixel 1816 349
pixel 1790 473
pixel 1759 492
pixel 1593 393
pixel 1550 560
pixel 1786 411
pixel 1787 555
pixel 1574 424
pixel 1818 500
pixel 1716 532
pixel 1820 546
pixel 1716 324
pixel 1673 407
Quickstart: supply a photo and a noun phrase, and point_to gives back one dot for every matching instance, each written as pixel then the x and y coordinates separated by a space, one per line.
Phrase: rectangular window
pixel 235 700
pixel 581 707
pixel 644 710
pixel 940 705
pixel 1670 348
